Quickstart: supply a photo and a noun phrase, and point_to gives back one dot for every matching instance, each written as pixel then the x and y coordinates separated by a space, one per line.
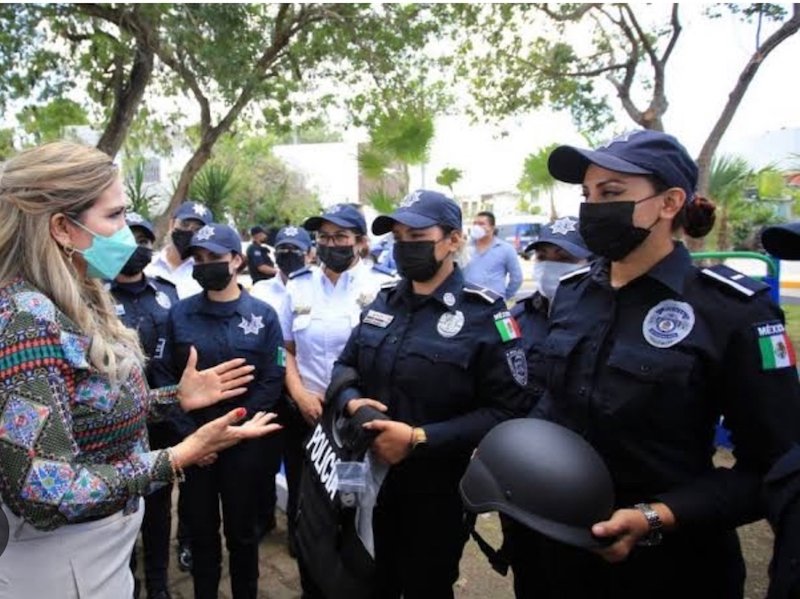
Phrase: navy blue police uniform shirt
pixel 144 306
pixel 244 328
pixel 438 362
pixel 258 255
pixel 530 312
pixel 643 372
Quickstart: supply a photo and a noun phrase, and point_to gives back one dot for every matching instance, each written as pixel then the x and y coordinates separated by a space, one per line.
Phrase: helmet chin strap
pixel 497 557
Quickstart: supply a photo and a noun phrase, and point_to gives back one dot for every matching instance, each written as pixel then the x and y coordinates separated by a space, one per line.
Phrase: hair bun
pixel 700 217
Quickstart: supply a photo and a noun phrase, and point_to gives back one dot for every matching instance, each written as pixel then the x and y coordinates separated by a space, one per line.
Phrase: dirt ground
pixel 279 578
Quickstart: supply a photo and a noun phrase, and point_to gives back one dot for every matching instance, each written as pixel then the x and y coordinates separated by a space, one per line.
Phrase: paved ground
pixel 279 578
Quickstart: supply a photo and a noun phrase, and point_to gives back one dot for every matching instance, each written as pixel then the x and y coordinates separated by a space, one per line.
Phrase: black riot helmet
pixel 542 475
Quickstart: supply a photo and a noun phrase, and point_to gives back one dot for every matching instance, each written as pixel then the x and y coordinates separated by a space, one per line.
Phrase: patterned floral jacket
pixel 73 446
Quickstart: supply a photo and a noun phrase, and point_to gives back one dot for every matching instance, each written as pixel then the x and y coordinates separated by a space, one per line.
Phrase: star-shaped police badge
pixel 200 210
pixel 205 233
pixel 290 231
pixel 563 226
pixel 410 199
pixel 253 326
pixel 133 217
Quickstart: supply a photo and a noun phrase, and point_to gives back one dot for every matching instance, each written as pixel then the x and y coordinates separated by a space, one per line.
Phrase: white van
pixel 520 231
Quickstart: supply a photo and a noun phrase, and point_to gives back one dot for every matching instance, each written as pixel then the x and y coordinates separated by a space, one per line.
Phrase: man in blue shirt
pixel 492 259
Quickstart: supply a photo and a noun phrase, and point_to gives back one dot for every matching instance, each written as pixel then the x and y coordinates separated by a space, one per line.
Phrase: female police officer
pixel 444 359
pixel 644 353
pixel 225 320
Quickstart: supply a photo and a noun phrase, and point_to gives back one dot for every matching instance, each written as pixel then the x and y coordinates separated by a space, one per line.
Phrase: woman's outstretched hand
pixel 201 388
pixel 219 434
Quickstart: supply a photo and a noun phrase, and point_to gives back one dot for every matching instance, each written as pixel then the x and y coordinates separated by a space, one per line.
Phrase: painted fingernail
pixel 241 412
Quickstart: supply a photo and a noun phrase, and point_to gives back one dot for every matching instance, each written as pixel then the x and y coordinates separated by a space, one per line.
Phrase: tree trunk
pixel 126 102
pixel 722 232
pixel 553 212
pixel 201 155
pixel 747 75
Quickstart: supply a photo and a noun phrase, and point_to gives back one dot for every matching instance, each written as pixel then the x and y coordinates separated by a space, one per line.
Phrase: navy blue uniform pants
pixel 704 564
pixel 234 483
pixel 419 539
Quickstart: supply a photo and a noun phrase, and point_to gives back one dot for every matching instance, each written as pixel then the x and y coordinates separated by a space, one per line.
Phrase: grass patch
pixel 792 312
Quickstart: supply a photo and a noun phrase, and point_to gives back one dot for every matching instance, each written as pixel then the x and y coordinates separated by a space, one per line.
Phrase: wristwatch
pixel 418 437
pixel 654 536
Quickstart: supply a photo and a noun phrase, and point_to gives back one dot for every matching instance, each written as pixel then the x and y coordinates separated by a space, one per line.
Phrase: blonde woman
pixel 74 456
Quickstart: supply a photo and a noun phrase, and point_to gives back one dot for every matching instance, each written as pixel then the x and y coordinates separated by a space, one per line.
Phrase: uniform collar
pixel 242 305
pixel 534 302
pixel 670 271
pixel 148 283
pixel 452 285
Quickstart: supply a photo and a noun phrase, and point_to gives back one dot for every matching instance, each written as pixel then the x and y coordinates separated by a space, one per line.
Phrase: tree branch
pixel 788 29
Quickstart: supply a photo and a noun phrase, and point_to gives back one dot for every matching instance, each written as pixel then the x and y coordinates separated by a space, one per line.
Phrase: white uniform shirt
pixel 181 276
pixel 319 318
pixel 271 291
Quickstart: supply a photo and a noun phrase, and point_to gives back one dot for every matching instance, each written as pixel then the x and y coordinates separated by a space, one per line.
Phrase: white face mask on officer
pixel 546 275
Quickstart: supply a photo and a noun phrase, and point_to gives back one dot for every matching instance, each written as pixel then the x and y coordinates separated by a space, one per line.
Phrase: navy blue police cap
pixel 343 215
pixel 195 210
pixel 641 152
pixel 134 219
pixel 564 233
pixel 296 236
pixel 782 241
pixel 217 238
pixel 419 210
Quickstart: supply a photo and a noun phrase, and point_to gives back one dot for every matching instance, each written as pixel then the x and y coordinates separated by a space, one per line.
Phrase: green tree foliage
pixel 536 177
pixel 48 122
pixel 7 147
pixel 214 186
pixel 140 195
pixel 515 58
pixel 266 191
pixel 449 176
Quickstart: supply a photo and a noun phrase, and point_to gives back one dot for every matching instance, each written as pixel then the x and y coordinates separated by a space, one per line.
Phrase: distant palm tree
pixel 728 180
pixel 536 177
pixel 213 186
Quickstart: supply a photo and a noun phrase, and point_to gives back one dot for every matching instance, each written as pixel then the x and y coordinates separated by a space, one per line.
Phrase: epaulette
pixel 390 284
pixel 581 271
pixel 733 279
pixel 299 273
pixel 485 293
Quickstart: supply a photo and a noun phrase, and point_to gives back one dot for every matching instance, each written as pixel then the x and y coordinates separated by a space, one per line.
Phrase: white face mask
pixel 546 275
pixel 477 232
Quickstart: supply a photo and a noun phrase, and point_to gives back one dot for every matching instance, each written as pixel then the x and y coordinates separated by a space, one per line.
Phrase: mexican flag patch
pixel 775 347
pixel 507 326
pixel 280 359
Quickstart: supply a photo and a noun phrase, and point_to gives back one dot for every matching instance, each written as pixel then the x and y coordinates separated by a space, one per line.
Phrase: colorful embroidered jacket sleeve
pixel 73 444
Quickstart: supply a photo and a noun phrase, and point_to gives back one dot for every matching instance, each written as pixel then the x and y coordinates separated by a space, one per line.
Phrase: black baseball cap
pixel 564 233
pixel 419 210
pixel 195 210
pixel 641 152
pixel 296 236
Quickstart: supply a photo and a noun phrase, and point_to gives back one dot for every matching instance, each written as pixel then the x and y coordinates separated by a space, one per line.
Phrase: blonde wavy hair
pixel 68 178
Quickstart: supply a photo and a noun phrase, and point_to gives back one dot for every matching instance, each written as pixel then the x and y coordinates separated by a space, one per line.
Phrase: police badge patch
pixel 668 323
pixel 163 300
pixel 518 365
pixel 450 323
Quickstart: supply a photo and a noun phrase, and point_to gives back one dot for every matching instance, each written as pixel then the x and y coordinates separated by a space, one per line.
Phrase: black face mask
pixel 136 263
pixel 607 228
pixel 337 258
pixel 212 276
pixel 181 240
pixel 416 260
pixel 289 260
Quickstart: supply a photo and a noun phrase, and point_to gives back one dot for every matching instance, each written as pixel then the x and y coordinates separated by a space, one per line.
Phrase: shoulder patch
pixel 733 279
pixel 484 293
pixel 575 273
pixel 299 273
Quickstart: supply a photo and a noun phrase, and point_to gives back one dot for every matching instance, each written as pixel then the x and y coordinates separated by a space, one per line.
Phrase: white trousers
pixel 90 560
